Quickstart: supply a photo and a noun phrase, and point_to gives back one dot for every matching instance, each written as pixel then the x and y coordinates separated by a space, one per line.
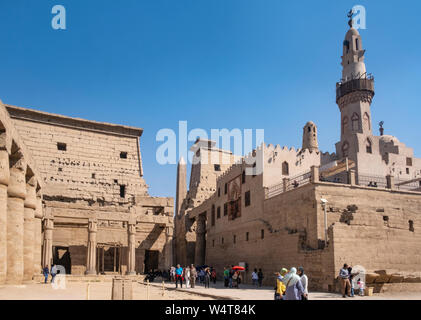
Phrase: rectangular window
pixel 123 155
pixel 262 234
pixel 226 189
pixel 226 208
pixel 243 177
pixel 213 215
pixel 213 243
pixel 409 162
pixel 234 239
pixel 218 213
pixel 61 146
pixel 247 199
pixel 254 169
pixel 122 191
pixel 217 167
pixel 219 192
pixel 247 236
pixel 407 170
pixel 222 240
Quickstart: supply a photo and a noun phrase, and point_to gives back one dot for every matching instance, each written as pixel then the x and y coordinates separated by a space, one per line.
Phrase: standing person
pixel 254 278
pixel 187 275
pixel 179 276
pixel 207 277
pixel 202 275
pixel 294 288
pixel 235 279
pixel 226 277
pixel 361 286
pixel 213 275
pixel 230 276
pixel 304 282
pixel 344 278
pixel 45 272
pixel 279 287
pixel 53 272
pixel 193 275
pixel 260 277
pixel 172 274
pixel 351 281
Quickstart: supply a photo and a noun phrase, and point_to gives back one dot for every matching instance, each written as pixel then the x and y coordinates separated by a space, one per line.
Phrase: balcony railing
pixel 350 86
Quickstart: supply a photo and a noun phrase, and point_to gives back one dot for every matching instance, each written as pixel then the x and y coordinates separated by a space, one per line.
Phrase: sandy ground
pixel 102 291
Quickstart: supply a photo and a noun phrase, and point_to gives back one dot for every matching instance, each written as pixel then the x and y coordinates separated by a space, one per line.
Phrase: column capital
pixel 92 225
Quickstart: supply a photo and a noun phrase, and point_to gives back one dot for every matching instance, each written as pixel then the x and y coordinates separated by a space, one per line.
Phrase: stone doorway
pixel 109 260
pixel 151 260
pixel 61 257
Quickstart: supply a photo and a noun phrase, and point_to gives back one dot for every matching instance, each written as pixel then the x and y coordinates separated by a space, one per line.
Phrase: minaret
pixel 310 137
pixel 181 184
pixel 354 94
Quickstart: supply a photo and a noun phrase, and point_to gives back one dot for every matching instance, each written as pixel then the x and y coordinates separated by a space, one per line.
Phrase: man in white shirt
pixel 255 277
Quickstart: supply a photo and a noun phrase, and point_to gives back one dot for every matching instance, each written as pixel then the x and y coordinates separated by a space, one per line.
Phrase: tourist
pixel 279 287
pixel 294 287
pixel 344 278
pixel 235 277
pixel 207 277
pixel 179 276
pixel 193 275
pixel 254 278
pixel 202 276
pixel 226 277
pixel 260 277
pixel 231 273
pixel 304 282
pixel 53 272
pixel 187 276
pixel 46 272
pixel 213 275
pixel 361 286
pixel 351 281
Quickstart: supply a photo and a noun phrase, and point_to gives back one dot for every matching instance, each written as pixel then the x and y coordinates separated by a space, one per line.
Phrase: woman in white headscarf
pixel 294 286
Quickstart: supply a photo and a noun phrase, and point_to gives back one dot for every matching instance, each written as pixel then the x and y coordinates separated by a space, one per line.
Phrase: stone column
pixel 16 192
pixel 131 259
pixel 30 205
pixel 315 175
pixel 91 254
pixel 351 177
pixel 47 247
pixel 285 182
pixel 200 250
pixel 4 182
pixel 38 236
pixel 390 182
pixel 169 246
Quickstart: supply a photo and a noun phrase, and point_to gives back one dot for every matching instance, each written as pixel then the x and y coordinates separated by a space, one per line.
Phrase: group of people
pixel 232 277
pixel 190 274
pixel 350 281
pixel 291 285
pixel 257 277
pixel 47 271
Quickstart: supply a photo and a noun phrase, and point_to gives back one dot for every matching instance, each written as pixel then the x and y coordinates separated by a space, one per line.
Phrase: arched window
pixel 344 124
pixel 355 122
pixel 368 147
pixel 345 149
pixel 285 168
pixel 367 121
pixel 357 44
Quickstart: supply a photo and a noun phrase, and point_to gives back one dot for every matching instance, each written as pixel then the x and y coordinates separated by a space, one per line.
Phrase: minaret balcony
pixel 354 85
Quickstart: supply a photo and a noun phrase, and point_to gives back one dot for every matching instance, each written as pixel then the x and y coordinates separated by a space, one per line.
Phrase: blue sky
pixel 268 64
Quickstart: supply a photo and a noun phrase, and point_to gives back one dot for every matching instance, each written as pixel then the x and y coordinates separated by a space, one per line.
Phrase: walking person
pixel 187 276
pixel 294 287
pixel 260 277
pixel 213 275
pixel 231 273
pixel 172 274
pixel 193 275
pixel 235 279
pixel 304 282
pixel 226 277
pixel 179 276
pixel 351 281
pixel 45 272
pixel 255 278
pixel 344 278
pixel 279 287
pixel 207 277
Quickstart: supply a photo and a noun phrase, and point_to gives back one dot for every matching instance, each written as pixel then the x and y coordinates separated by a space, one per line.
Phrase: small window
pixel 407 170
pixel 115 181
pixel 409 162
pixel 217 167
pixel 411 225
pixel 234 239
pixel 225 209
pixel 262 234
pixel 61 146
pixel 60 169
pixel 226 189
pixel 368 147
pixel 254 169
pixel 247 199
pixel 218 213
pixel 285 168
pixel 357 44
pixel 213 215
pixel 243 177
pixel 123 155
pixel 213 243
pixel 222 240
pixel 93 175
pixel 247 236
pixel 122 191
pixel 219 192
